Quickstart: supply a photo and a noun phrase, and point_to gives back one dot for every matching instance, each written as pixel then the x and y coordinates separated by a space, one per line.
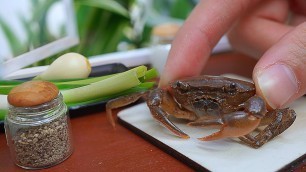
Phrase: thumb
pixel 280 75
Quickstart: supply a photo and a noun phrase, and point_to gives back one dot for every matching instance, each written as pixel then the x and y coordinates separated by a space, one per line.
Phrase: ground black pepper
pixel 44 145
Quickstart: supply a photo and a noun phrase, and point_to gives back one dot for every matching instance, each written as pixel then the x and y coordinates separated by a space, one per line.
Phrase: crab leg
pixel 120 102
pixel 207 123
pixel 282 119
pixel 235 124
pixel 161 105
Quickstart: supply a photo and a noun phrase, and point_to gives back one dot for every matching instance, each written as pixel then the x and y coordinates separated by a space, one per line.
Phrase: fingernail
pixel 278 84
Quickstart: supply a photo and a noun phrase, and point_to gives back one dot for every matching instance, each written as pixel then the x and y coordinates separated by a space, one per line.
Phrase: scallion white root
pixel 67 66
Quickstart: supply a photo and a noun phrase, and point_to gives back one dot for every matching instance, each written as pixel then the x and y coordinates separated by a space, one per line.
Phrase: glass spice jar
pixel 39 136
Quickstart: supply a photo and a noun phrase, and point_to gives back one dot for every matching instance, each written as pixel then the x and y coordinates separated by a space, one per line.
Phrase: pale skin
pixel 274 31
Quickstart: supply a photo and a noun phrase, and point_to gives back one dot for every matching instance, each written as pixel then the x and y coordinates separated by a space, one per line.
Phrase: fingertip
pixel 280 74
pixel 165 80
pixel 162 82
pixel 277 84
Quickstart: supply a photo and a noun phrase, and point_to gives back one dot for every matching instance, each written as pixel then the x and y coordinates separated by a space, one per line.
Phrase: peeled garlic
pixel 67 66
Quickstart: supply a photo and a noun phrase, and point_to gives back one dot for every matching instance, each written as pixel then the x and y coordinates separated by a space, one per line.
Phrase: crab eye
pixel 231 89
pixel 232 86
pixel 182 86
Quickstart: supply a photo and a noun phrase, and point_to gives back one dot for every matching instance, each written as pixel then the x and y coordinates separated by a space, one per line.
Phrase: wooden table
pixel 99 147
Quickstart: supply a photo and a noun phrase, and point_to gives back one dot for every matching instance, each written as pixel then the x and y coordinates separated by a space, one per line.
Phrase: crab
pixel 205 101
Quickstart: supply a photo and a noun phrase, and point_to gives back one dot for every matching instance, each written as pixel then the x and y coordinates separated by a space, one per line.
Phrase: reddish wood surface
pixel 98 147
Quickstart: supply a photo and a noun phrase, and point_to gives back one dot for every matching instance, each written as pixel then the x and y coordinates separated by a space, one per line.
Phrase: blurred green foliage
pixel 37 33
pixel 102 24
pixel 179 9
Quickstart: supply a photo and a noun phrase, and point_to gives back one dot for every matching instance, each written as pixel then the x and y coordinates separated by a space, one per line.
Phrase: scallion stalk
pixel 10 82
pixel 150 74
pixel 7 88
pixel 112 85
pixel 2 114
pixel 140 88
pixel 80 92
pixel 3 102
pixel 3 106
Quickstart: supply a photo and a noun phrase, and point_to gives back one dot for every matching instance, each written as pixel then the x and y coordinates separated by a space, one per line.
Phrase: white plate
pixel 226 155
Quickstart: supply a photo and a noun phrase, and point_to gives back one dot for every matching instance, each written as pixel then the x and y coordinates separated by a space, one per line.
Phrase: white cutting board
pixel 227 154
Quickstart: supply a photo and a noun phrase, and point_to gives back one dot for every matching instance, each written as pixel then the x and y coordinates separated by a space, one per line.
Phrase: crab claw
pixel 161 105
pixel 161 117
pixel 240 123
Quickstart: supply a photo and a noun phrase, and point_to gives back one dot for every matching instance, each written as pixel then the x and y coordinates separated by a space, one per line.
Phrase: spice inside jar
pixel 38 129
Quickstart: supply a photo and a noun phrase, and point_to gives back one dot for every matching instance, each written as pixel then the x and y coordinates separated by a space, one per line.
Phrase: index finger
pixel 207 23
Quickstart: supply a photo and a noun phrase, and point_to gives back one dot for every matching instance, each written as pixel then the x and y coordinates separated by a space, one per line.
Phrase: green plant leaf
pixel 109 5
pixel 40 17
pixel 111 36
pixel 16 46
pixel 181 9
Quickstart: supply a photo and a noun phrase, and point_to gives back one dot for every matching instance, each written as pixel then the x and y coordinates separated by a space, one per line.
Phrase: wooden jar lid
pixel 32 93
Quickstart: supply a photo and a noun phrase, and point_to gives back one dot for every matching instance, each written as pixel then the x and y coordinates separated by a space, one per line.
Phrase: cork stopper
pixel 166 30
pixel 32 93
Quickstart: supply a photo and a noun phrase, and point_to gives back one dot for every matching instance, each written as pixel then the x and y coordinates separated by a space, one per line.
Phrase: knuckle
pixel 298 49
pixel 243 5
pixel 300 36
pixel 240 6
pixel 296 58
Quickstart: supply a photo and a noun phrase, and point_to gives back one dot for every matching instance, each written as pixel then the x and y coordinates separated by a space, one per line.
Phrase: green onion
pixel 2 114
pixel 150 74
pixel 10 82
pixel 67 66
pixel 85 81
pixel 112 85
pixel 3 102
pixel 140 88
pixel 3 106
pixel 79 92
pixel 7 88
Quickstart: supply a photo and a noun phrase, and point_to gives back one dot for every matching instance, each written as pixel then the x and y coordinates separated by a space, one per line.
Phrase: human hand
pixel 259 28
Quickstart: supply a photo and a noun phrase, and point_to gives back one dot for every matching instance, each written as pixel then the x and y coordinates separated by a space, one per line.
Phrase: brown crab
pixel 230 104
